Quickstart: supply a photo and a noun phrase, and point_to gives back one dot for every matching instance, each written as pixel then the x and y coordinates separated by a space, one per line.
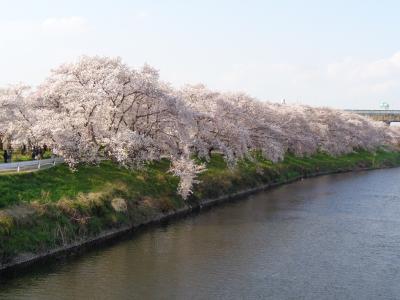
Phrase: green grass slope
pixel 54 207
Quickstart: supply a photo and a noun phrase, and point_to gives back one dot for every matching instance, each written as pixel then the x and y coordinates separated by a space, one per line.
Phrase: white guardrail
pixel 30 165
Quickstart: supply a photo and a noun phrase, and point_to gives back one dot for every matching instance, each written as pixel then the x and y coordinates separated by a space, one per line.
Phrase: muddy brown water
pixel 331 237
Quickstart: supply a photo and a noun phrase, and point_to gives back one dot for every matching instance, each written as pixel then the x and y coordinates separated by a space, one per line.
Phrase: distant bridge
pixel 387 116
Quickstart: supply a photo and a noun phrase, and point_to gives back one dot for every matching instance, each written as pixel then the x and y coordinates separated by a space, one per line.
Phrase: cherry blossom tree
pixel 17 114
pixel 100 108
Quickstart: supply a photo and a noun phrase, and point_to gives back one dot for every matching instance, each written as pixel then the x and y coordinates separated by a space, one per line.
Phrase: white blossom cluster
pixel 99 108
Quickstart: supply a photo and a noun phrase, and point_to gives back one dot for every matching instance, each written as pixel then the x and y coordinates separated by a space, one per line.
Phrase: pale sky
pixel 343 54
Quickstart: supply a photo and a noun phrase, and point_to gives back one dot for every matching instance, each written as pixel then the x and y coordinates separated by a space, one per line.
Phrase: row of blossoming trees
pixel 100 108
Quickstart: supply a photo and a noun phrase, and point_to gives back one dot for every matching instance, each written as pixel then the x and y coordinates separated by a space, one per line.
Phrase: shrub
pixel 6 224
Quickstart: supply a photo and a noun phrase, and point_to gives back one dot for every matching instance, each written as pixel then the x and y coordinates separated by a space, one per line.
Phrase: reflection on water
pixel 332 237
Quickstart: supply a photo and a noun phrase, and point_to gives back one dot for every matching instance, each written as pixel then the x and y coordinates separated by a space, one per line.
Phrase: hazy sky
pixel 344 54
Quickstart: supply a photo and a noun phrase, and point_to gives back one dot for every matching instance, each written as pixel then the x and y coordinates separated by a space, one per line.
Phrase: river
pixel 331 237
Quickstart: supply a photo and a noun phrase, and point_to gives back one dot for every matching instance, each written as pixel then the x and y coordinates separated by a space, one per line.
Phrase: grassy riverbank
pixel 55 207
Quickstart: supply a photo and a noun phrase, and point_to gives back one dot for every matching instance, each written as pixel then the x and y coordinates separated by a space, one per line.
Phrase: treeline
pixel 100 108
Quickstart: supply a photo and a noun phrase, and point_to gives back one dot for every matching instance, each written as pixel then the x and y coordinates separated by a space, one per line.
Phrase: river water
pixel 331 237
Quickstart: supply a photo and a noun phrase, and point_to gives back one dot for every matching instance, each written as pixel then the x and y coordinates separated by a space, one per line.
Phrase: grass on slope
pixel 154 181
pixel 60 182
pixel 54 207
pixel 219 180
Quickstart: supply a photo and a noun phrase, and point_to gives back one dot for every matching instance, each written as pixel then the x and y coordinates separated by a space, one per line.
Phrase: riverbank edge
pixel 21 263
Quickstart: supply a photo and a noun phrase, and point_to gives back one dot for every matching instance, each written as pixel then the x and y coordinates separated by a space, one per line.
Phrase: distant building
pixel 384 105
